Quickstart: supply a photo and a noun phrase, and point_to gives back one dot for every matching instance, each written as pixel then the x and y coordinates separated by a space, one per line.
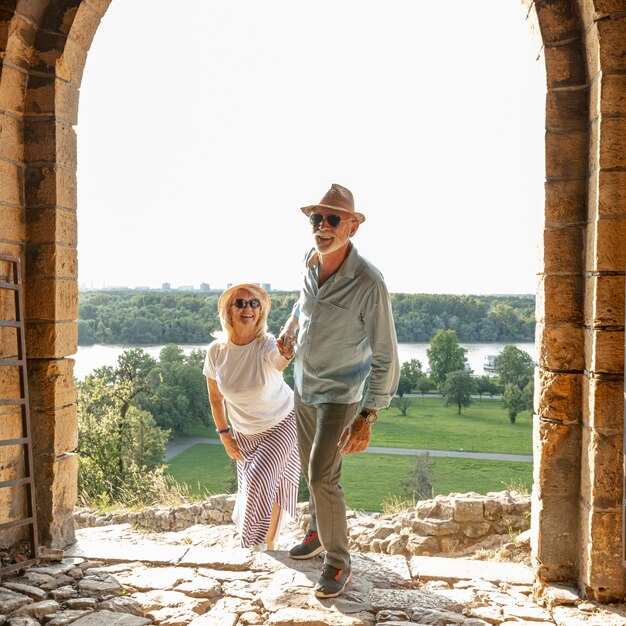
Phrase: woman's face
pixel 244 316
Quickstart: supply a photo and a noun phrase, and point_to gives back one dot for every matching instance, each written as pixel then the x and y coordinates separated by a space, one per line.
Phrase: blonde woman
pixel 243 367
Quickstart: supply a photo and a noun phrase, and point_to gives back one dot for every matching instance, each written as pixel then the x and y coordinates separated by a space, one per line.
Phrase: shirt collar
pixel 347 268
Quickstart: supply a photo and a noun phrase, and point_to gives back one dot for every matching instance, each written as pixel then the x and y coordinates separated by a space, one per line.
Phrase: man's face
pixel 329 239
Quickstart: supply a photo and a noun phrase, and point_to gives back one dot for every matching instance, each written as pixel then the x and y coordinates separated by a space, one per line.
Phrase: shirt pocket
pixel 332 334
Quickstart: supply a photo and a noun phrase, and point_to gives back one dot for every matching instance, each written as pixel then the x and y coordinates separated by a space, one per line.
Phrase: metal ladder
pixel 14 284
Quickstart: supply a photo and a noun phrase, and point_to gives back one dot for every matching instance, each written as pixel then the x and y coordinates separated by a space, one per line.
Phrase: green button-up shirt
pixel 346 332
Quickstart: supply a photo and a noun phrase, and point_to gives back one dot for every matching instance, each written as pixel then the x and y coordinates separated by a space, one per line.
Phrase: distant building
pixel 166 286
pixel 266 286
pixel 229 285
pixel 205 287
pixel 186 288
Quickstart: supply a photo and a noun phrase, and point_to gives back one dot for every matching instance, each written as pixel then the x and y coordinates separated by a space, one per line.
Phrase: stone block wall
pixel 439 526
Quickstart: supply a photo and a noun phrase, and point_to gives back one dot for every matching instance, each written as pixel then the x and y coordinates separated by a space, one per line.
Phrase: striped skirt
pixel 269 473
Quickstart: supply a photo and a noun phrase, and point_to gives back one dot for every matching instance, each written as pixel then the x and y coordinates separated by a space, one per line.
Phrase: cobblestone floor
pixel 117 576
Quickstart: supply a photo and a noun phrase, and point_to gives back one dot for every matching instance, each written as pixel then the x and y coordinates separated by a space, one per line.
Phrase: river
pixel 90 357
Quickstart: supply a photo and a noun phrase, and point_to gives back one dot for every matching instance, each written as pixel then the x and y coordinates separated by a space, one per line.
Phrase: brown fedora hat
pixel 338 198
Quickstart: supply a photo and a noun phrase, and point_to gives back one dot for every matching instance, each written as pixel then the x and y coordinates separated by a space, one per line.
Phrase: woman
pixel 244 368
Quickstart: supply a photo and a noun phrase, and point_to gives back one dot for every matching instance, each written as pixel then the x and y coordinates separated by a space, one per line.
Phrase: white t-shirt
pixel 256 394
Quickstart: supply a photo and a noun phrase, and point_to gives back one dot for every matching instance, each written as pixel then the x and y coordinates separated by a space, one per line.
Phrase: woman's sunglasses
pixel 333 221
pixel 240 303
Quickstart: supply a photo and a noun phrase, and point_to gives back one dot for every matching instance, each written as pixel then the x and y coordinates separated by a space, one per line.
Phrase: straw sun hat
pixel 225 297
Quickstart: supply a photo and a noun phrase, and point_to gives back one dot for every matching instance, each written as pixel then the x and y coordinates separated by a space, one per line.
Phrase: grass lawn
pixel 204 468
pixel 368 479
pixel 429 425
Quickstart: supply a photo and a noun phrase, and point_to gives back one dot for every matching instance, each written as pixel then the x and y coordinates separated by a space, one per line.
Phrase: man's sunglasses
pixel 240 303
pixel 333 221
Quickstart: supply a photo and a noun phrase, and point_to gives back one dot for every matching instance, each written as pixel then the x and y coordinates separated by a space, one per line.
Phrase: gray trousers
pixel 319 429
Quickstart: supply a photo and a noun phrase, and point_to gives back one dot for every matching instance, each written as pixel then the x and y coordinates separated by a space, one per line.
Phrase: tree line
pixel 128 317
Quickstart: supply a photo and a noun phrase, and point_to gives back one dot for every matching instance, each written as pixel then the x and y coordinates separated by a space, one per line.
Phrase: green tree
pixel 517 400
pixel 424 385
pixel 487 385
pixel 457 389
pixel 402 404
pixel 420 482
pixel 179 398
pixel 445 355
pixel 120 446
pixel 514 366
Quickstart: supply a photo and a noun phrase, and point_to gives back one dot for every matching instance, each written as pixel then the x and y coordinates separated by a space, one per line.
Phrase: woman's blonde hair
pixel 226 301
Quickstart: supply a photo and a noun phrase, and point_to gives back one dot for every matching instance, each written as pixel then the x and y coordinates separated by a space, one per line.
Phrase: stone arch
pixel 578 426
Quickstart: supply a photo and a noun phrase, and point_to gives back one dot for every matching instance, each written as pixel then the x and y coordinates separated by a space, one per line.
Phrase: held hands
pixel 355 437
pixel 286 343
pixel 231 447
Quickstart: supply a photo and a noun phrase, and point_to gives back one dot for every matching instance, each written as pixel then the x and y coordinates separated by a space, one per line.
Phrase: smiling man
pixel 345 332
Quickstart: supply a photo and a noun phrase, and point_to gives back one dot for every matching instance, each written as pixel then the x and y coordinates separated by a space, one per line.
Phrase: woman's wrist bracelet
pixel 222 431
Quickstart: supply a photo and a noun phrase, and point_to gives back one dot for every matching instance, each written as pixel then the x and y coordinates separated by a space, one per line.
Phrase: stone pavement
pixel 116 576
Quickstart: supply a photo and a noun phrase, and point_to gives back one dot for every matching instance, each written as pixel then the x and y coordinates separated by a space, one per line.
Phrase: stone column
pixel 560 332
pixel 602 572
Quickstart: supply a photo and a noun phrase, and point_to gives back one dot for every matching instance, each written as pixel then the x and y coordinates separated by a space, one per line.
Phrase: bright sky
pixel 201 133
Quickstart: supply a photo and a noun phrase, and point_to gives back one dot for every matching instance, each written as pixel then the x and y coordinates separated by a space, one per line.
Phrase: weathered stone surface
pixel 531 613
pixel 604 300
pixel 63 593
pixel 468 509
pixel 200 587
pixel 451 570
pixel 39 609
pixel 145 579
pixel 561 348
pixel 560 299
pixel 237 559
pixel 562 247
pixel 28 590
pixel 300 617
pixel 556 595
pixel 99 586
pixel 603 352
pixel 81 603
pixel 605 250
pixel 569 616
pixel 169 616
pixel 423 615
pixel 603 404
pixel 99 618
pixel 610 191
pixel 122 604
pixel 157 599
pixel 490 614
pixel 22 620
pixel 564 201
pixel 406 599
pixel 62 618
pixel 558 396
pixel 11 601
pixel 216 619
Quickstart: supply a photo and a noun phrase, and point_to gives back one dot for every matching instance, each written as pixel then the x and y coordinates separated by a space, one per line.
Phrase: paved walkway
pixel 176 446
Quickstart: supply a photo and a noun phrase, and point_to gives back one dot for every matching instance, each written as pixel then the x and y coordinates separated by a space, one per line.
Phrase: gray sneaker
pixel 310 547
pixel 332 582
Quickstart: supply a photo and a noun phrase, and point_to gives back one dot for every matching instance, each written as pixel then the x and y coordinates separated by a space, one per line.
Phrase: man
pixel 345 333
